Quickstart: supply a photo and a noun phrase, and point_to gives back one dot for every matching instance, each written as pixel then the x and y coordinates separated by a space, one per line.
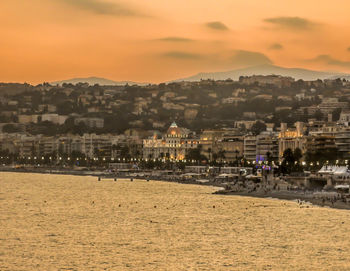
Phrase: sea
pixel 61 222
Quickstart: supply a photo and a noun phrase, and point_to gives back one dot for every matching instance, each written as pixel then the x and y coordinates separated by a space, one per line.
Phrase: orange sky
pixel 157 40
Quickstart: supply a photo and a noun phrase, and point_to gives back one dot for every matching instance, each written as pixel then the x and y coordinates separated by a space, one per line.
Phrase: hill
pixel 296 73
pixel 96 80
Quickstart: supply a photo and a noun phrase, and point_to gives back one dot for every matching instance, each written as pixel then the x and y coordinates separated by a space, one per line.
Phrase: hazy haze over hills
pixel 266 70
pixel 96 80
pixel 296 73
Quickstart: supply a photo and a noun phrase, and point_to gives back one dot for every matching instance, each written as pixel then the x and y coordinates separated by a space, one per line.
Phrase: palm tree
pixel 209 152
pixel 237 152
pixel 268 157
pixel 221 155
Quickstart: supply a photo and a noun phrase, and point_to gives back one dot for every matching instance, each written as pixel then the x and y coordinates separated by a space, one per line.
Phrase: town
pixel 266 123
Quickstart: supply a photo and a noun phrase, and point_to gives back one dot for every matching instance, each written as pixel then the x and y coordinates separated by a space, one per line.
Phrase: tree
pixel 258 127
pixel 288 156
pixel 236 154
pixel 10 128
pixel 288 161
pixel 221 155
pixel 269 157
pixel 297 154
pixel 209 152
pixel 318 115
pixel 291 160
pixel 242 128
pixel 195 154
pixel 336 114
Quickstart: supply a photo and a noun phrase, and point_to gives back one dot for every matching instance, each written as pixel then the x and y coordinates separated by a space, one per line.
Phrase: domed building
pixel 173 145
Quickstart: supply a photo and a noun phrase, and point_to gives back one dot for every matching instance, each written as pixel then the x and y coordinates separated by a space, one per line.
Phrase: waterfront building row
pixel 176 143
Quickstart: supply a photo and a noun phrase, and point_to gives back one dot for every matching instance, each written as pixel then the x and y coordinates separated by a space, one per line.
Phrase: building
pixel 54 118
pixel 328 105
pixel 342 141
pixel 267 146
pixel 26 119
pixel 90 122
pixel 231 147
pixel 320 144
pixel 277 80
pixel 46 145
pixel 291 138
pixel 207 141
pixel 250 147
pixel 174 144
pixel 344 117
pixel 93 145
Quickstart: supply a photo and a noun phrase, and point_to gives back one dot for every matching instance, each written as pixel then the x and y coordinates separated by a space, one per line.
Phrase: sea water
pixel 57 222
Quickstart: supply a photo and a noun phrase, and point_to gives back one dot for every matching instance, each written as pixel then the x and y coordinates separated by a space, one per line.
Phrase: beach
pixel 302 198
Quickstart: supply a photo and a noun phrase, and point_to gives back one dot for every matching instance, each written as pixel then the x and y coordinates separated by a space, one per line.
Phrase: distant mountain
pixel 96 80
pixel 296 73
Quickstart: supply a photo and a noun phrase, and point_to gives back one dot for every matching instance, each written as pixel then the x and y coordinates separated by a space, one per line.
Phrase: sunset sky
pixel 159 40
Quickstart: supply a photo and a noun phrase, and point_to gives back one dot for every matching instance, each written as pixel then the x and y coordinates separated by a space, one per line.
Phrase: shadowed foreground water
pixel 50 222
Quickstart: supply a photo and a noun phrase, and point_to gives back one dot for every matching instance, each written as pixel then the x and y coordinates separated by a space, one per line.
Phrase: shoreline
pixel 304 199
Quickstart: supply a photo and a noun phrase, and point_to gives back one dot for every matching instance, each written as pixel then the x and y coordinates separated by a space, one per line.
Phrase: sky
pixel 157 40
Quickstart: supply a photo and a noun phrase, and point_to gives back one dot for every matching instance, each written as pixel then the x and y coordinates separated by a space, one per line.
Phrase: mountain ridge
pixel 296 73
pixel 96 80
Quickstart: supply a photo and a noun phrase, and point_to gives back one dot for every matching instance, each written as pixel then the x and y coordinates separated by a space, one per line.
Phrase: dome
pixel 173 125
pixel 174 130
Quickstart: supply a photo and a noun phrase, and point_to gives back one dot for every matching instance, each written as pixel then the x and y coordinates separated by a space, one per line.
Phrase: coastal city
pixel 254 129
pixel 174 135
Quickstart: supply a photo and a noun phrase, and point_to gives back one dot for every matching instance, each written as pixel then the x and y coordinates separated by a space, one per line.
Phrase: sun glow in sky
pixel 157 40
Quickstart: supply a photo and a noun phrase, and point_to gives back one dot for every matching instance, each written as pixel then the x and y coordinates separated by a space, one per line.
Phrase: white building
pixel 173 145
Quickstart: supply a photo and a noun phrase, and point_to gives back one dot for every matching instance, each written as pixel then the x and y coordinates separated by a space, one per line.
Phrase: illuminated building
pixel 291 138
pixel 173 145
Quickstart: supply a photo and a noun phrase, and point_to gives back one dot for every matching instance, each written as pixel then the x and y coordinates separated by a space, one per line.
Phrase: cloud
pixel 181 55
pixel 276 46
pixel 248 58
pixel 102 7
pixel 348 49
pixel 329 60
pixel 217 26
pixel 175 39
pixel 295 23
